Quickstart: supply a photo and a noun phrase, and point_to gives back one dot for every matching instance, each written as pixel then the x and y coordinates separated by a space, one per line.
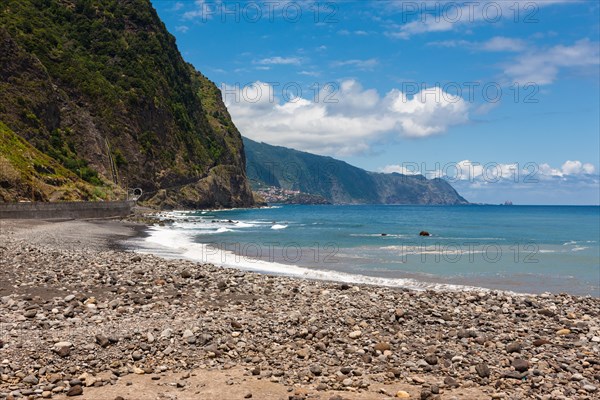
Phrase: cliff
pixel 339 182
pixel 100 89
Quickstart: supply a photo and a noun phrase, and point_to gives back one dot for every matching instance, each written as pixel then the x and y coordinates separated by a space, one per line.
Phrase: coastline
pixel 79 311
pixel 353 252
pixel 199 252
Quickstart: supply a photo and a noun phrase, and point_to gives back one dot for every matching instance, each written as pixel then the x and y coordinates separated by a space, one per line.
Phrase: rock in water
pixel 424 233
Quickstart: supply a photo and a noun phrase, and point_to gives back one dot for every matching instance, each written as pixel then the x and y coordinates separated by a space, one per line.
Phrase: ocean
pixel 524 249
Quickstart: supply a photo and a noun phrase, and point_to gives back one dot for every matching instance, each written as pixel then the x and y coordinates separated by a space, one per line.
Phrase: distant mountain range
pixel 337 181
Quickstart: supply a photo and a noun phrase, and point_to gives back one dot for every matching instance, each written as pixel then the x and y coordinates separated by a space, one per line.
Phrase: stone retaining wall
pixel 61 210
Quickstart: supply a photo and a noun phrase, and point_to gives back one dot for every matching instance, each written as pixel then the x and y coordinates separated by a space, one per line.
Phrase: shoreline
pixel 173 242
pixel 79 312
pixel 277 268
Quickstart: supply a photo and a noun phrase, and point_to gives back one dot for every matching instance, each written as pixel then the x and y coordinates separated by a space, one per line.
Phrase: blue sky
pixel 485 93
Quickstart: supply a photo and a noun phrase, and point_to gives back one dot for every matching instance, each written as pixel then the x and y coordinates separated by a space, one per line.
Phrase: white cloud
pixel 417 27
pixel 541 66
pixel 360 64
pixel 588 168
pixel 501 43
pixel 202 9
pixel 182 28
pixel 400 169
pixel 568 168
pixel 574 182
pixel 310 73
pixel 480 173
pixel 343 121
pixel 279 61
pixel 429 112
pixel 444 16
pixel 497 43
pixel 451 43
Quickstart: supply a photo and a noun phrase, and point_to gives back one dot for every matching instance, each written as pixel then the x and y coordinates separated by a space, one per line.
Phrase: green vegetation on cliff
pixel 340 182
pixel 101 88
pixel 27 173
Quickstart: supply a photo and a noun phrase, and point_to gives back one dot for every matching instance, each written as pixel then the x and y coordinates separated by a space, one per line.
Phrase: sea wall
pixel 61 210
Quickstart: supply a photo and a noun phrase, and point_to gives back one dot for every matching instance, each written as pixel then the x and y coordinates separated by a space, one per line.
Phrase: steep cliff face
pixel 100 87
pixel 340 182
pixel 414 189
pixel 27 173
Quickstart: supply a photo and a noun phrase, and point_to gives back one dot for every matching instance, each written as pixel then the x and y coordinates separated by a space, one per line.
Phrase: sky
pixel 501 98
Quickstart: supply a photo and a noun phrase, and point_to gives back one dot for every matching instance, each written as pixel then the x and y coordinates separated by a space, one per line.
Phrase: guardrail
pixel 62 210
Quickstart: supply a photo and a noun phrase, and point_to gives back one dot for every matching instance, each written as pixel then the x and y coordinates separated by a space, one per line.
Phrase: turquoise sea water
pixel 529 249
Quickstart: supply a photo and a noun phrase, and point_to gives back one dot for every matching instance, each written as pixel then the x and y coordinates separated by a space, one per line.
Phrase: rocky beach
pixel 81 317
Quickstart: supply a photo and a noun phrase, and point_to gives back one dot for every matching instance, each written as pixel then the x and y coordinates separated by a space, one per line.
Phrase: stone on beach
pixel 540 342
pixel 75 391
pixel 520 365
pixel 483 370
pixel 102 340
pixel 382 346
pixel 514 347
pixel 300 334
pixel 355 334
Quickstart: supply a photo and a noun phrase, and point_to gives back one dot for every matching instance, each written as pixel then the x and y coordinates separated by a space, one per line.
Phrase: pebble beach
pixel 81 317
